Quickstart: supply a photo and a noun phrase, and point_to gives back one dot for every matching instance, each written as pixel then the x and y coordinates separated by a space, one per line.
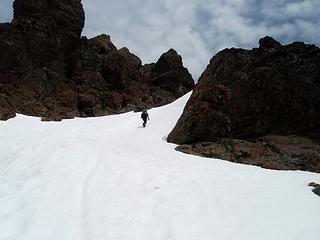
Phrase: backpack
pixel 144 114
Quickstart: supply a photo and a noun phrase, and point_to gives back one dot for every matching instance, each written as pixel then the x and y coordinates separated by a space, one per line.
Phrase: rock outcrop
pixel 117 81
pixel 48 70
pixel 271 151
pixel 316 188
pixel 244 95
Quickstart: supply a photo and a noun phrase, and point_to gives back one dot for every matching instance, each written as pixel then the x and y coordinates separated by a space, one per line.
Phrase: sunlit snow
pixel 108 178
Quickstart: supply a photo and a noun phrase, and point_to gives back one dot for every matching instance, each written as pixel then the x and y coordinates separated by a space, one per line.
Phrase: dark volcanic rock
pixel 47 31
pixel 316 188
pixel 244 94
pixel 56 17
pixel 272 89
pixel 38 51
pixel 169 71
pixel 112 80
pixel 47 70
pixel 272 151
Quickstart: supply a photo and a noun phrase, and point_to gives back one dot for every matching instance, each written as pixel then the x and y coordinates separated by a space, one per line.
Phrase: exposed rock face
pixel 272 89
pixel 169 71
pixel 272 151
pixel 38 52
pixel 47 70
pixel 243 94
pixel 316 188
pixel 118 82
pixel 54 17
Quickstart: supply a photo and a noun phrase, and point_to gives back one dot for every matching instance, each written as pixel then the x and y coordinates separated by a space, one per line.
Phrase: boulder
pixel 242 94
pixel 316 188
pixel 246 95
pixel 170 74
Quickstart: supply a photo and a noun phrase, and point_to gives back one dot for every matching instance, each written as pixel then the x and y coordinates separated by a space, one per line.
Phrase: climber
pixel 145 117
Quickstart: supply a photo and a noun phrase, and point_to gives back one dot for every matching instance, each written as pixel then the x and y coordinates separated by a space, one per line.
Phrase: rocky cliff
pixel 48 70
pixel 247 96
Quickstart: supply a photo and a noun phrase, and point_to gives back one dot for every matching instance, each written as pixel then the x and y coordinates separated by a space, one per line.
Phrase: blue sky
pixel 197 29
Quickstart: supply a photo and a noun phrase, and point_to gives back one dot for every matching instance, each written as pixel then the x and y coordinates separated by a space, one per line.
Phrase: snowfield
pixel 108 178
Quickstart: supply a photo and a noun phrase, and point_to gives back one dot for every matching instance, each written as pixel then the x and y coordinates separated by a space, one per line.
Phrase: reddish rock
pixel 169 74
pixel 273 89
pixel 47 70
pixel 119 82
pixel 271 151
pixel 244 95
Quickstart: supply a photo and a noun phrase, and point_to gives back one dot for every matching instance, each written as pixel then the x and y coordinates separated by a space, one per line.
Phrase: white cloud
pixel 149 28
pixel 197 29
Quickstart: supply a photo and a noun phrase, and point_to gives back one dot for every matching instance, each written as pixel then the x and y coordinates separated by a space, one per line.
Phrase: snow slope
pixel 108 178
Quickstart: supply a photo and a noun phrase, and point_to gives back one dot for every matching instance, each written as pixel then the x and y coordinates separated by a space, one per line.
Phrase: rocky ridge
pixel 47 69
pixel 259 106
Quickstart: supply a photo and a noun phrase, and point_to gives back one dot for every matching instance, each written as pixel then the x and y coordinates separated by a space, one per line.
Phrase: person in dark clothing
pixel 145 117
